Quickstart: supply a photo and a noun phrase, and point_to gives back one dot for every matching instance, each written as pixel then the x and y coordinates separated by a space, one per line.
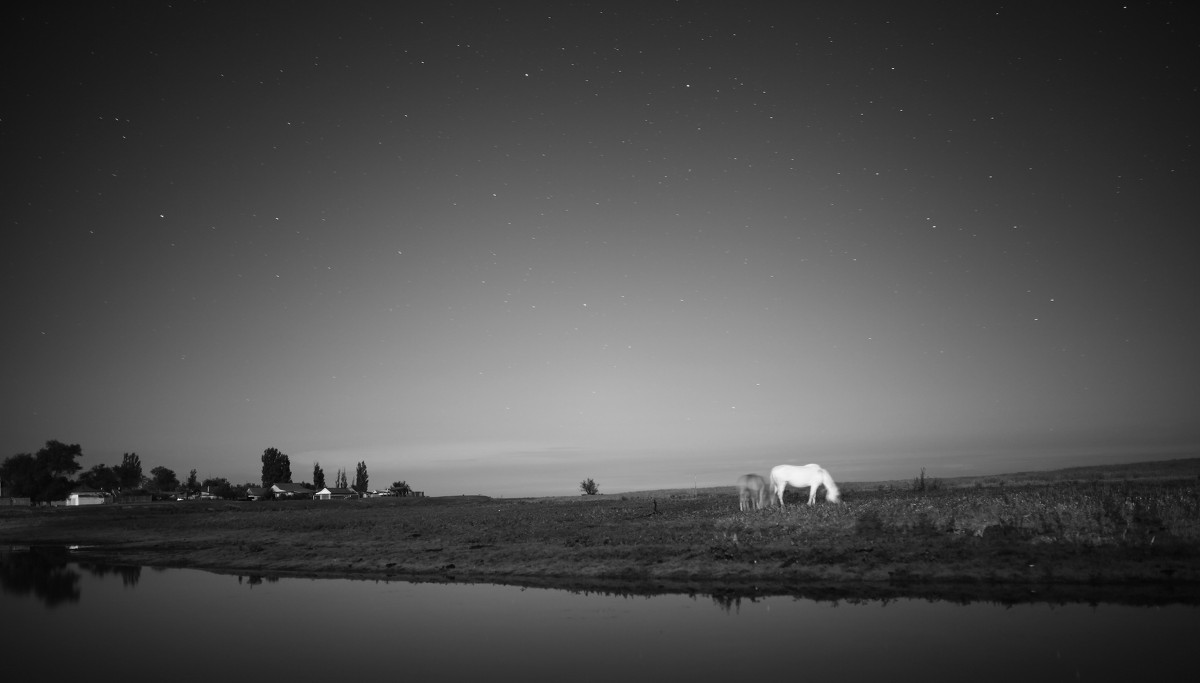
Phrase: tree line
pixel 50 475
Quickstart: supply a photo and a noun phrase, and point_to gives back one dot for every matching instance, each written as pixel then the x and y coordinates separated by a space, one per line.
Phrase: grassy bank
pixel 1085 532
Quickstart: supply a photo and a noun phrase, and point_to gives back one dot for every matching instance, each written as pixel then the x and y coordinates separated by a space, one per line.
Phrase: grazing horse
pixel 812 476
pixel 752 492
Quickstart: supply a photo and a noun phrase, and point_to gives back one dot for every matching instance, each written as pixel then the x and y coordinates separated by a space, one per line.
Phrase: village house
pixel 328 493
pixel 289 490
pixel 88 497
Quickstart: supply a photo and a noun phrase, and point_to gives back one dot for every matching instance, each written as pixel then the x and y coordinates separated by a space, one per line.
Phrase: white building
pixel 335 494
pixel 87 497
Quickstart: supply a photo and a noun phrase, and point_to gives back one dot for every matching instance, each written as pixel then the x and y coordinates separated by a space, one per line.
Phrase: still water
pixel 63 618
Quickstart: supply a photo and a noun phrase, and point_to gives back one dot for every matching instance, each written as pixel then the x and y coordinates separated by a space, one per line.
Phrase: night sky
pixel 500 249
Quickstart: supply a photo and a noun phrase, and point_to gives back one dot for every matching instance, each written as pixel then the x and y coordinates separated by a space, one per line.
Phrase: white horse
pixel 812 476
pixel 752 492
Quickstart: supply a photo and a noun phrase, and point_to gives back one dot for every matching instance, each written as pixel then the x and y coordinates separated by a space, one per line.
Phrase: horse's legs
pixel 812 494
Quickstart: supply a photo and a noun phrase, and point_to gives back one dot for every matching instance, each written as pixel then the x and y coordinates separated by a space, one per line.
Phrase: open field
pixel 1088 533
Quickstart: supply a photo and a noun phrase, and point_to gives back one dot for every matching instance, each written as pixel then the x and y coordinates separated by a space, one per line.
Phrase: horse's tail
pixel 832 494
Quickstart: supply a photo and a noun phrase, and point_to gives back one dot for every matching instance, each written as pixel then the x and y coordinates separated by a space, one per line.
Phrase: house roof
pixel 291 488
pixel 339 491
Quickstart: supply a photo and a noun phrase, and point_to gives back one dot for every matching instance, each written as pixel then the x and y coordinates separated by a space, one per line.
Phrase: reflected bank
pixel 70 615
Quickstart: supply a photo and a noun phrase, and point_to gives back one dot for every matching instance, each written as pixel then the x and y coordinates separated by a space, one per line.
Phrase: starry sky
pixel 502 247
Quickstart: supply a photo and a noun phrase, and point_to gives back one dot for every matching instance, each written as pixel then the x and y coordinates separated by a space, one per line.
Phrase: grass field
pixel 1113 530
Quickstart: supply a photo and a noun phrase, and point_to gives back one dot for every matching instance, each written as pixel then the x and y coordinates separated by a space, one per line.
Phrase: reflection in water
pixel 41 572
pixel 129 574
pixel 47 572
pixel 295 628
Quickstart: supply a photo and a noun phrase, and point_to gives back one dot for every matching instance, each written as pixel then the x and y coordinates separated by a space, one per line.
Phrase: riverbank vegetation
pixel 1098 527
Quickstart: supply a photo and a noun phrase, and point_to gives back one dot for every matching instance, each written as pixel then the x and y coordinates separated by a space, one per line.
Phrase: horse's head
pixel 833 495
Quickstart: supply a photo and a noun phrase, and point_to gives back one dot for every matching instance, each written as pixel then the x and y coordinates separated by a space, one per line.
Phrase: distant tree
pixel 589 487
pixel 219 487
pixel 163 479
pixel 360 477
pixel 58 459
pixel 401 488
pixel 276 468
pixel 339 482
pixel 101 478
pixel 129 472
pixel 19 474
pixel 42 477
pixel 318 476
pixel 192 485
pixel 922 484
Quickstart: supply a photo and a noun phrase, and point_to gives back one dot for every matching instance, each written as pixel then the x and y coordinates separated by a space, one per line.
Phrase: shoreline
pixel 1130 590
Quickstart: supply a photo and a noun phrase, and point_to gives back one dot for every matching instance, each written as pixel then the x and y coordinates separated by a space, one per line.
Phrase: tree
pixel 318 476
pixel 360 477
pixel 55 463
pixel 192 485
pixel 42 477
pixel 163 479
pixel 401 488
pixel 129 472
pixel 58 459
pixel 589 487
pixel 339 482
pixel 101 478
pixel 19 473
pixel 276 468
pixel 219 487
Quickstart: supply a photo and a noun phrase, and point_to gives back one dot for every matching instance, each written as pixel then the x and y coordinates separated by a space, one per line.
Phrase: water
pixel 63 617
